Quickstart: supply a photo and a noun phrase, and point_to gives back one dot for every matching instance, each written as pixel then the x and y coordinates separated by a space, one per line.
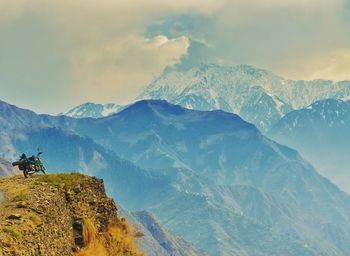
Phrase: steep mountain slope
pixel 320 133
pixel 93 110
pixel 216 181
pixel 172 245
pixel 235 191
pixel 237 89
pixel 156 240
pixel 61 215
pixel 258 96
pixel 66 151
pixel 13 117
pixel 300 94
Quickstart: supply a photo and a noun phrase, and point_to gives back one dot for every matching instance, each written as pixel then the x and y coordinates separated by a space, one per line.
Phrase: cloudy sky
pixel 57 54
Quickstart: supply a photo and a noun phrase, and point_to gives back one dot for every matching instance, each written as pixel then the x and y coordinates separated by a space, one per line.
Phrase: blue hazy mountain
pixel 257 95
pixel 232 186
pixel 321 133
pixel 65 151
pixel 211 178
pixel 156 240
pixel 13 117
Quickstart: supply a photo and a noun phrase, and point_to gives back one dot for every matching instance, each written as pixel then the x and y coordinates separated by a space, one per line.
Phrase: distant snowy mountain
pixel 257 95
pixel 93 110
pixel 320 132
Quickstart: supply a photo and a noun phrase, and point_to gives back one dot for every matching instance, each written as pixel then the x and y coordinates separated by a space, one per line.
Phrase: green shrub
pixel 12 232
pixel 22 196
pixel 66 180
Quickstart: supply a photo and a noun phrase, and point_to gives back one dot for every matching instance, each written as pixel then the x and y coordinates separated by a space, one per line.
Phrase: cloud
pixel 10 10
pixel 292 38
pixel 109 58
pixel 117 69
pixel 108 49
pixel 331 66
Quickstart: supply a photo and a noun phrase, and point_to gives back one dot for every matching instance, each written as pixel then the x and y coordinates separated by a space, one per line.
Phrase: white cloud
pixel 332 66
pixel 118 68
pixel 110 57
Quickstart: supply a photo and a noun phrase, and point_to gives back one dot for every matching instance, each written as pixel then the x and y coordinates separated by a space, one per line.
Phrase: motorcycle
pixel 30 165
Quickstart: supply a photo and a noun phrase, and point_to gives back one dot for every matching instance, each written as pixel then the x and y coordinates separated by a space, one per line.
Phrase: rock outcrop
pixel 66 214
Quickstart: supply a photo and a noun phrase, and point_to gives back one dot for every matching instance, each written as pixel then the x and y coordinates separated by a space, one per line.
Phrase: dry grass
pixel 15 192
pixel 117 241
pixel 34 219
pixel 66 180
pixel 12 232
pixel 20 197
pixel 89 231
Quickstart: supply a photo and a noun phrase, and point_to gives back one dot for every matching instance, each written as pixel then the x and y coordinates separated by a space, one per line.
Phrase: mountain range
pixel 68 152
pixel 156 240
pixel 209 176
pixel 257 95
pixel 320 133
pixel 263 98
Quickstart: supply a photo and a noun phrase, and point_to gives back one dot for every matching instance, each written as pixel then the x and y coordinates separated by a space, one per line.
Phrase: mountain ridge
pixel 236 192
pixel 319 133
pixel 93 110
pixel 259 96
pixel 146 126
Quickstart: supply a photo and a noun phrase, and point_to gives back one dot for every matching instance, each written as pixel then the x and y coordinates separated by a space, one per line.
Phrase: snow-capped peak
pixel 93 110
pixel 257 95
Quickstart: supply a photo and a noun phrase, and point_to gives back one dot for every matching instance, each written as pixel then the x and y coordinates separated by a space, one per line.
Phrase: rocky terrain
pixel 70 214
pixel 67 214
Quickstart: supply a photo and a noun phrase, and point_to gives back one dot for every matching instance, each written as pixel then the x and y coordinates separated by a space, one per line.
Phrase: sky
pixel 57 54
